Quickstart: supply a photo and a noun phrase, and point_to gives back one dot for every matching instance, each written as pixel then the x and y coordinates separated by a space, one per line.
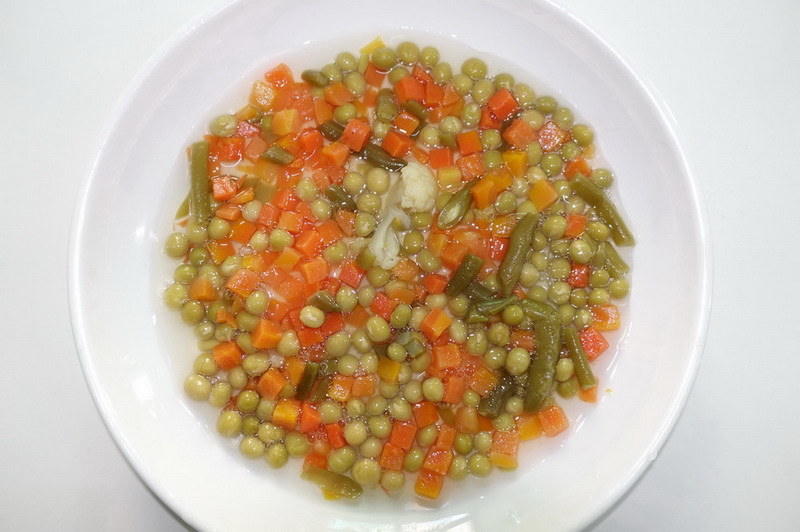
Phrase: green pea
pixel 599 296
pixel 176 245
pixel 563 117
pixel 336 252
pixel 551 163
pixel 483 442
pixel 570 150
pixel 421 220
pixel 346 61
pixel 495 357
pixel 297 444
pixel 307 189
pixel 364 224
pixel 312 317
pixel 330 412
pixel 192 312
pixel 332 72
pixel 400 409
pixel 559 292
pixel 428 261
pixel 514 405
pixel 400 315
pixel 277 455
pixel 534 118
pixel 429 56
pixel 598 278
pixel 427 435
pixel 603 177
pixel 433 389
pixel 223 126
pixel 175 295
pixel 619 288
pixel 369 202
pixel 598 231
pixel 247 401
pixel 569 388
pixel 397 73
pixel 413 460
pixel 238 378
pixel 504 422
pixel 471 398
pixel 246 321
pixel 269 433
pixel 477 343
pixel 421 362
pixel 344 113
pixel 499 334
pixel 506 202
pixel 471 114
pixel 565 369
pixel 504 81
pixel 380 426
pixel 338 344
pixel 204 364
pixel 412 392
pixel 289 344
pixel 582 134
pixel 365 296
pixel 229 423
pixel 392 480
pixel 280 239
pixel 546 104
pixel 413 242
pixel 474 68
pixel 462 84
pixel 559 268
pixel 513 315
pixel 354 81
pixel 482 90
pixel 384 58
pixel 377 329
pixel 255 364
pixel 479 465
pixel 580 251
pixel 566 313
pixel 197 256
pixel 554 227
pixel 353 183
pixel 579 297
pixel 252 447
pixel 583 318
pixel 459 305
pixel 463 444
pixel 320 208
pixel 442 73
pixel 355 433
pixel 408 52
pixel 362 343
pixel 529 275
pixel 525 96
pixel 197 387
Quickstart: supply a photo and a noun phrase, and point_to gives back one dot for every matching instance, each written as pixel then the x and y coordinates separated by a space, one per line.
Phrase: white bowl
pixel 135 353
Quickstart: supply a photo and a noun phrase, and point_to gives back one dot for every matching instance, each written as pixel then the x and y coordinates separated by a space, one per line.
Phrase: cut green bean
pixel 478 292
pixel 315 77
pixel 183 210
pixel 331 130
pixel 613 262
pixel 340 198
pixel 605 209
pixel 278 155
pixel 341 485
pixel 542 370
pixel 310 372
pixel 319 391
pixel 199 205
pixel 495 305
pixel 456 207
pixel 579 360
pixel 519 245
pixel 325 301
pixel 380 157
pixel 536 310
pixel 475 316
pixel 493 404
pixel 416 109
pixel 466 272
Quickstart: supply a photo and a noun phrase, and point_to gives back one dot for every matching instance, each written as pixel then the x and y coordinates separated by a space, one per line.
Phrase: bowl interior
pixel 136 353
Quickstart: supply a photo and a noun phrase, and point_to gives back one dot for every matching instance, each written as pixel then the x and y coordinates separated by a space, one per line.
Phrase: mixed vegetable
pixel 392 268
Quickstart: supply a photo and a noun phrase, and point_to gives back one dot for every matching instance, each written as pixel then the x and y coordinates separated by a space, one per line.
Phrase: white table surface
pixel 729 74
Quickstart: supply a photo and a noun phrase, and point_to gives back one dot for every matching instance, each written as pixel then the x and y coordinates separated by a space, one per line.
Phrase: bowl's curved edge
pixel 75 303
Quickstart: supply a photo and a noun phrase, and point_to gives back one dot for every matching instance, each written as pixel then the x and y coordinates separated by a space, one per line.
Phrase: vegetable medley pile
pixel 392 269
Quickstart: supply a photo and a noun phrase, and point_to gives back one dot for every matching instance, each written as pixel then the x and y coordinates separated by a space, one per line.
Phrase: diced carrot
pixel 351 273
pixel 519 134
pixel 552 419
pixel 419 154
pixel 292 291
pixel 346 221
pixel 552 137
pixel 578 275
pixel 309 337
pixel 333 323
pixel 243 282
pixel 484 192
pixel 254 147
pixel 441 157
pixel 401 294
pixel 396 144
pixel 429 483
pixel 421 74
pixel 311 140
pixel 314 270
pixel 409 88
pixel 577 166
pixel 588 395
pixel 382 305
pixel 502 226
pixel 224 187
pixel 329 232
pixel 542 194
pixel 269 216
pixel 363 386
pixel 279 76
pixel 484 424
pixel 502 104
pixel 425 413
pixel 314 459
pixel 336 153
pixel 358 317
pixel 466 419
pixel 220 250
pixel 338 94
pixel 453 253
pixel 488 120
pixel 242 230
pixel 271 383
pixel 505 445
pixel 335 434
pixel 605 317
pixel 406 123
pixel 388 369
pixel 291 221
pixel 355 134
pixel 274 276
pixel 286 413
pixel 392 457
pixel 446 356
pixel 483 381
pixel 402 435
pixel 438 460
pixel 308 243
pixel 340 387
pixel 435 323
pixel 576 224
pixel 516 161
pixel 322 111
pixel 454 386
pixel 262 95
pixel 229 211
pixel 227 355
pixel 373 76
pixel 434 283
pixel 529 426
pixel 288 259
pixel 286 122
pixel 469 142
pixel 406 270
pixel 266 334
pixel 202 289
pixel 436 242
pixel 522 338
pixel 285 199
pixel 593 342
pixel 277 310
pixel 434 95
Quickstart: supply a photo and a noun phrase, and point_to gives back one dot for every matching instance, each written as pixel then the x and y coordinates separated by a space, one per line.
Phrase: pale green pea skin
pixel 336 252
pixel 565 369
pixel 377 329
pixel 218 228
pixel 245 341
pixel 421 220
pixel 546 104
pixel 269 433
pixel 220 394
pixel 429 136
pixel 459 468
pixel 389 390
pixel 224 332
pixel 312 317
pixel 417 315
pixel 525 96
pixel 371 448
pixel 280 239
pixel 321 210
pixel 247 401
pixel 517 361
pixel 347 364
pixel 554 227
pixel 230 265
pixel 463 444
pixel 252 447
pixel 563 117
pixel 559 292
pixel 396 352
pixel 559 268
pixel 598 278
pixel 197 387
pixel 459 305
pixel 342 459
pixel 490 139
pixel 355 407
pixel 289 344
pixel 580 252
pixel 575 205
pixel 380 426
pixel 506 202
pixel 429 56
pixel 363 344
pixel 408 52
pixel 355 433
pixel 338 344
pixel 204 330
pixel 344 113
pixel 246 321
pixel 598 231
pixel 618 288
pixel 551 163
pixel 477 343
pixel 504 80
pixel 427 435
pixel 481 91
pixel 421 362
pixel 495 357
pixel 578 298
pixel 413 242
pixel 471 398
pixel 474 68
pixel 413 460
pixel 491 282
pixel 400 315
pixel 237 378
pixel 602 177
pixel 499 334
pixel 433 389
pixel 175 295
pixel 442 72
pixel 583 318
pixel 255 364
pixel 257 303
pixel 451 124
pixel 458 331
pixel 428 261
pixel 251 210
pixel 514 405
pixel 599 296
pixel 400 409
pixel 332 72
pixel 471 114
pixel 397 73
pixel 566 313
pixel 297 444
pixel 412 392
pixel 535 119
pixel 250 425
pixel 354 81
pixel 330 412
pixel 377 276
pixel 376 406
pixel 259 241
pixel 392 481
pixel 223 126
pixel 277 455
pixel 353 183
pixel 483 442
pixel 377 180
pixel 307 189
pixel 369 202
pixel 364 224
pixel 380 129
pixel 569 388
pixel 462 84
pixel 384 58
pixel 529 275
pixel 346 61
pixel 229 422
pixel 504 422
pixel 192 312
pixel 538 293
pixel 196 234
pixel 583 134
pixel 176 245
pixel 436 301
pixel 513 315
pixel 570 150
